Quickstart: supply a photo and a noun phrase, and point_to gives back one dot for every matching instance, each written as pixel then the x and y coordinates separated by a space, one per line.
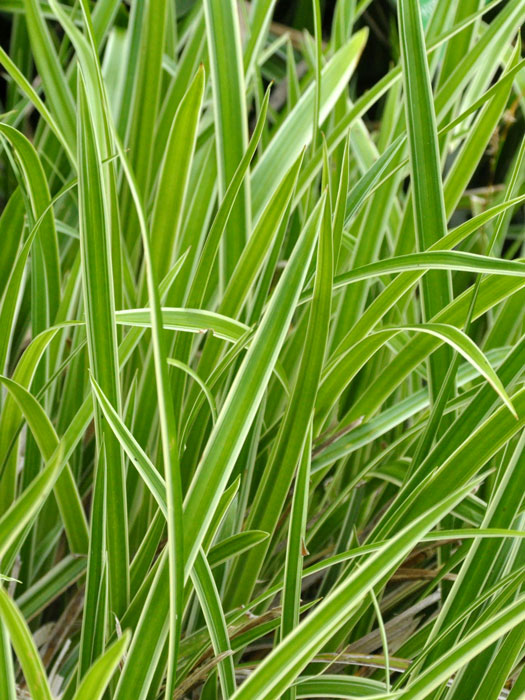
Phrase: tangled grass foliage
pixel 262 348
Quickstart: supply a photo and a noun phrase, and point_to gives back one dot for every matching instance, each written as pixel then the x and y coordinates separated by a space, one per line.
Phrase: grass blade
pixel 102 340
pixel 25 649
pixel 429 206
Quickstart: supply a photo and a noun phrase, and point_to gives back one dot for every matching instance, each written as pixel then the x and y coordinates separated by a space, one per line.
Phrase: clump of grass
pixel 261 418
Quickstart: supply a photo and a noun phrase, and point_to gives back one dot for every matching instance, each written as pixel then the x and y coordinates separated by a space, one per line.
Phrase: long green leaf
pixel 429 206
pixel 25 649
